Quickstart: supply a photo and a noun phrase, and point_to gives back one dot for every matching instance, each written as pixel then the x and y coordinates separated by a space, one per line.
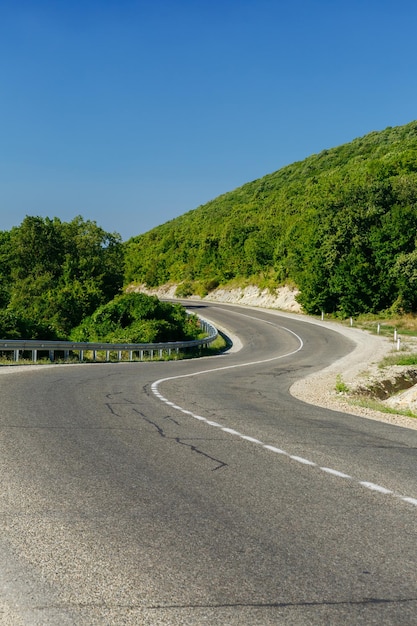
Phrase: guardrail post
pixel 34 355
pixel 16 355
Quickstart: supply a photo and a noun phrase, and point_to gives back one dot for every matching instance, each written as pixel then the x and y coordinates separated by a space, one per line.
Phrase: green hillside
pixel 340 225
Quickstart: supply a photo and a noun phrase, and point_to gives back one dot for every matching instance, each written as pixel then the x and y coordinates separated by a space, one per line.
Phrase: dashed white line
pixel 251 439
pixel 409 500
pixel 231 431
pixel 374 487
pixel 329 470
pixel 274 449
pixel 300 459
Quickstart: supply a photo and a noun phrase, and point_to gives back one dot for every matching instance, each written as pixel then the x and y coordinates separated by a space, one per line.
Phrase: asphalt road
pixel 201 492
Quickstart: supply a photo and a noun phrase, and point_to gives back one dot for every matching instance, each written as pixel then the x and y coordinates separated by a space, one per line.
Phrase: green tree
pixel 60 272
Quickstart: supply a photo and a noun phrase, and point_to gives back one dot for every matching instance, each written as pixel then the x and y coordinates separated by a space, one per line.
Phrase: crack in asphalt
pixel 260 605
pixel 182 441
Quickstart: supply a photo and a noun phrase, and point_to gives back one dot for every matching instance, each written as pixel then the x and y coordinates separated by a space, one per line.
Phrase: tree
pixel 61 272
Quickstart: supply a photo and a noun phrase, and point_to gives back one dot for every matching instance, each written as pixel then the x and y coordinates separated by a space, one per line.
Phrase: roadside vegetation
pixel 65 281
pixel 137 318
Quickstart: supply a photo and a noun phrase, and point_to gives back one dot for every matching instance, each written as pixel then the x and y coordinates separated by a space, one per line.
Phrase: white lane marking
pixel 231 431
pixel 329 470
pixel 409 500
pixel 300 459
pixel 374 487
pixel 274 449
pixel 252 439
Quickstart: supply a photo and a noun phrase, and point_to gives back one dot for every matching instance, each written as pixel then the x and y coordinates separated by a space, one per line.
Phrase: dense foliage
pixel 64 280
pixel 341 225
pixel 137 318
pixel 53 274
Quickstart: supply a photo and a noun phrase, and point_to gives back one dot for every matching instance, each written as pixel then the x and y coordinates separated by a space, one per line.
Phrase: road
pixel 202 492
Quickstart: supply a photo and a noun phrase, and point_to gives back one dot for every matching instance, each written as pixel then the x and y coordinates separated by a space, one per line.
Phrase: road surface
pixel 202 492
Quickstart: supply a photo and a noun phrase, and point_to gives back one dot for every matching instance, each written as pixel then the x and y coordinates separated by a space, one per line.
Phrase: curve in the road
pixel 333 472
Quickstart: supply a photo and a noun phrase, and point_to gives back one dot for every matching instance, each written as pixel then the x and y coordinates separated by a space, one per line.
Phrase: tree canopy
pixel 53 274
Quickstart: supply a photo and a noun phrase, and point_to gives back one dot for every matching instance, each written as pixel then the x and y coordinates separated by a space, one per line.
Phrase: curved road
pixel 201 492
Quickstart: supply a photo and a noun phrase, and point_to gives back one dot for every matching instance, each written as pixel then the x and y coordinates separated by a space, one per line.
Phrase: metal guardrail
pixel 143 350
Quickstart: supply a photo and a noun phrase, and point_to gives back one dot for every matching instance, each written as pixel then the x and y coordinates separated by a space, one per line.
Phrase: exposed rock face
pixel 404 401
pixel 283 298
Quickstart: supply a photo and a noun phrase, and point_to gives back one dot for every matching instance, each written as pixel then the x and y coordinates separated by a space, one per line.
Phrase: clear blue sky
pixel 132 112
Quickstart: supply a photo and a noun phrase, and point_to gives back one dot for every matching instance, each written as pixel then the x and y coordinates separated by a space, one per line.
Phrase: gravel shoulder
pixel 356 369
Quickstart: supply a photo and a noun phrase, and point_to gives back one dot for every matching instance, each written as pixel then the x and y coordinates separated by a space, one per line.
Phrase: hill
pixel 340 226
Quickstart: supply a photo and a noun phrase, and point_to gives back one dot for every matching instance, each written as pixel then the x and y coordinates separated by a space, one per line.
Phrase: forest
pixel 340 225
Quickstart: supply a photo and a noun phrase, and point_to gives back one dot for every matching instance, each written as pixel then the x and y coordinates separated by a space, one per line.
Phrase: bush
pixel 137 318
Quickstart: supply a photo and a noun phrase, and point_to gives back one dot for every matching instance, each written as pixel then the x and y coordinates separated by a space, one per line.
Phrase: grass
pixel 405 324
pixel 219 345
pixel 375 405
pixel 341 386
pixel 408 359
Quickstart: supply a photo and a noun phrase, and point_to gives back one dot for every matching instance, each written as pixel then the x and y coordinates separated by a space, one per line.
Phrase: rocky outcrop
pixel 282 298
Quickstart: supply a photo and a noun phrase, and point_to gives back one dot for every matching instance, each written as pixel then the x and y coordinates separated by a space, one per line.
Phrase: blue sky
pixel 133 112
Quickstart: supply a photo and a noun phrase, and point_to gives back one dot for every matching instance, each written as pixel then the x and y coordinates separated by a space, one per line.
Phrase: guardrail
pixel 142 350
